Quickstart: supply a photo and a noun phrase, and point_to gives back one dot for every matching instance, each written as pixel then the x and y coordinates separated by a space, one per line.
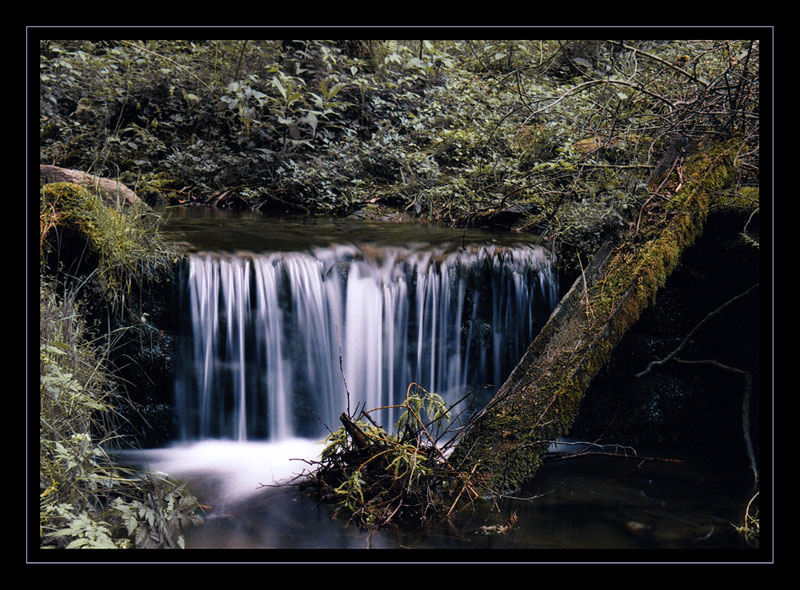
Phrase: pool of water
pixel 596 509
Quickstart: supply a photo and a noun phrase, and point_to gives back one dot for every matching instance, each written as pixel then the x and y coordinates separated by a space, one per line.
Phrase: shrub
pixel 402 478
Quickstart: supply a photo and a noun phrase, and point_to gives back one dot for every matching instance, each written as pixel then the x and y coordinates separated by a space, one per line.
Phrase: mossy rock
pixel 116 247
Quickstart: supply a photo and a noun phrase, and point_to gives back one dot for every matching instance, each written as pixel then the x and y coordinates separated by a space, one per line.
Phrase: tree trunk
pixel 538 402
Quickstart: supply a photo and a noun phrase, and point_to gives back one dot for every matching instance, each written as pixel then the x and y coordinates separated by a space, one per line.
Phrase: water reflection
pixel 209 229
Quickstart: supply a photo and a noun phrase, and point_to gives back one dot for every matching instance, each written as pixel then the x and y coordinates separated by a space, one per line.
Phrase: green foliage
pixel 158 519
pixel 85 500
pixel 410 424
pixel 553 136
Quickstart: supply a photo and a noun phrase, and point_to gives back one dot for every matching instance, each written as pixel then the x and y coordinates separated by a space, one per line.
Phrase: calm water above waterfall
pixel 287 324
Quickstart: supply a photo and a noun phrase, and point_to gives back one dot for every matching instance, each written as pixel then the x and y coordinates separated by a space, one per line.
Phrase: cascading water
pixel 268 340
pixel 278 345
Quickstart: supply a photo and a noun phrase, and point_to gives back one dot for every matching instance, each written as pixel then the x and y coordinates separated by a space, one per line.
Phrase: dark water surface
pixel 596 506
pixel 216 230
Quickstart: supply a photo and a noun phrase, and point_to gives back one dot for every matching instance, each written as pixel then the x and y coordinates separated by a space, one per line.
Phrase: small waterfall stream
pixel 278 345
pixel 271 341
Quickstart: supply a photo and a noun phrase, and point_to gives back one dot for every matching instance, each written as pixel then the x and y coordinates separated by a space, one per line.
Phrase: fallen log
pixel 506 441
pixel 116 192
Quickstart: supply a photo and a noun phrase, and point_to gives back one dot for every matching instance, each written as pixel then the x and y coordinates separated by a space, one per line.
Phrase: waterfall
pixel 278 345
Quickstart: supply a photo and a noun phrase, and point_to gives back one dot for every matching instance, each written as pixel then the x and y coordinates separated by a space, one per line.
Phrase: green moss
pixel 743 198
pixel 645 265
pixel 121 246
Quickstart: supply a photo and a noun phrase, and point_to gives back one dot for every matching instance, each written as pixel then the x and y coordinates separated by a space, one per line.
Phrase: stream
pixel 662 505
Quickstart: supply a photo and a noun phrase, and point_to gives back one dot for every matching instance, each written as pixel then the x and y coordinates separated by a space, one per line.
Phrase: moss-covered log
pixel 540 399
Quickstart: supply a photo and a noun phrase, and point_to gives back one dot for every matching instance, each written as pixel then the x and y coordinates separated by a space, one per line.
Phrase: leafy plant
pixel 329 129
pixel 411 422
pixel 85 500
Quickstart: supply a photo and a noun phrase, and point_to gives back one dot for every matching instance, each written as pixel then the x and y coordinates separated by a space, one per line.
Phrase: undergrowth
pixel 85 500
pixel 377 478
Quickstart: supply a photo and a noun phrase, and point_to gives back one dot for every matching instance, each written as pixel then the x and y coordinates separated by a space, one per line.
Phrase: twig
pixel 747 516
pixel 463 488
pixel 589 313
pixel 641 211
pixel 176 64
pixel 341 369
pixel 567 456
pixel 748 386
pixel 748 379
pixel 691 334
pixel 354 431
pixel 239 61
pixel 659 60
pixel 616 166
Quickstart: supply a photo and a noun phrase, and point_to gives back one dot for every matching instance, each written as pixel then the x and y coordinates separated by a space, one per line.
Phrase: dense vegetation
pixel 86 501
pixel 562 138
pixel 551 136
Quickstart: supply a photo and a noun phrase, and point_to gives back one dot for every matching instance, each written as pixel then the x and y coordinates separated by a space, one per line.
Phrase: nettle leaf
pixel 78 543
pixel 257 94
pixel 229 101
pixel 317 99
pixel 329 94
pixel 393 58
pixel 293 97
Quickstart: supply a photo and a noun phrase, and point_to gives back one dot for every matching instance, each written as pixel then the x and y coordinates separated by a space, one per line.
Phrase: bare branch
pixel 691 334
pixel 659 60
pixel 748 386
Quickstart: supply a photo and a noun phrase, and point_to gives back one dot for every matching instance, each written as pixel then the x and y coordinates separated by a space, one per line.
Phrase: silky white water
pixel 228 471
pixel 278 345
